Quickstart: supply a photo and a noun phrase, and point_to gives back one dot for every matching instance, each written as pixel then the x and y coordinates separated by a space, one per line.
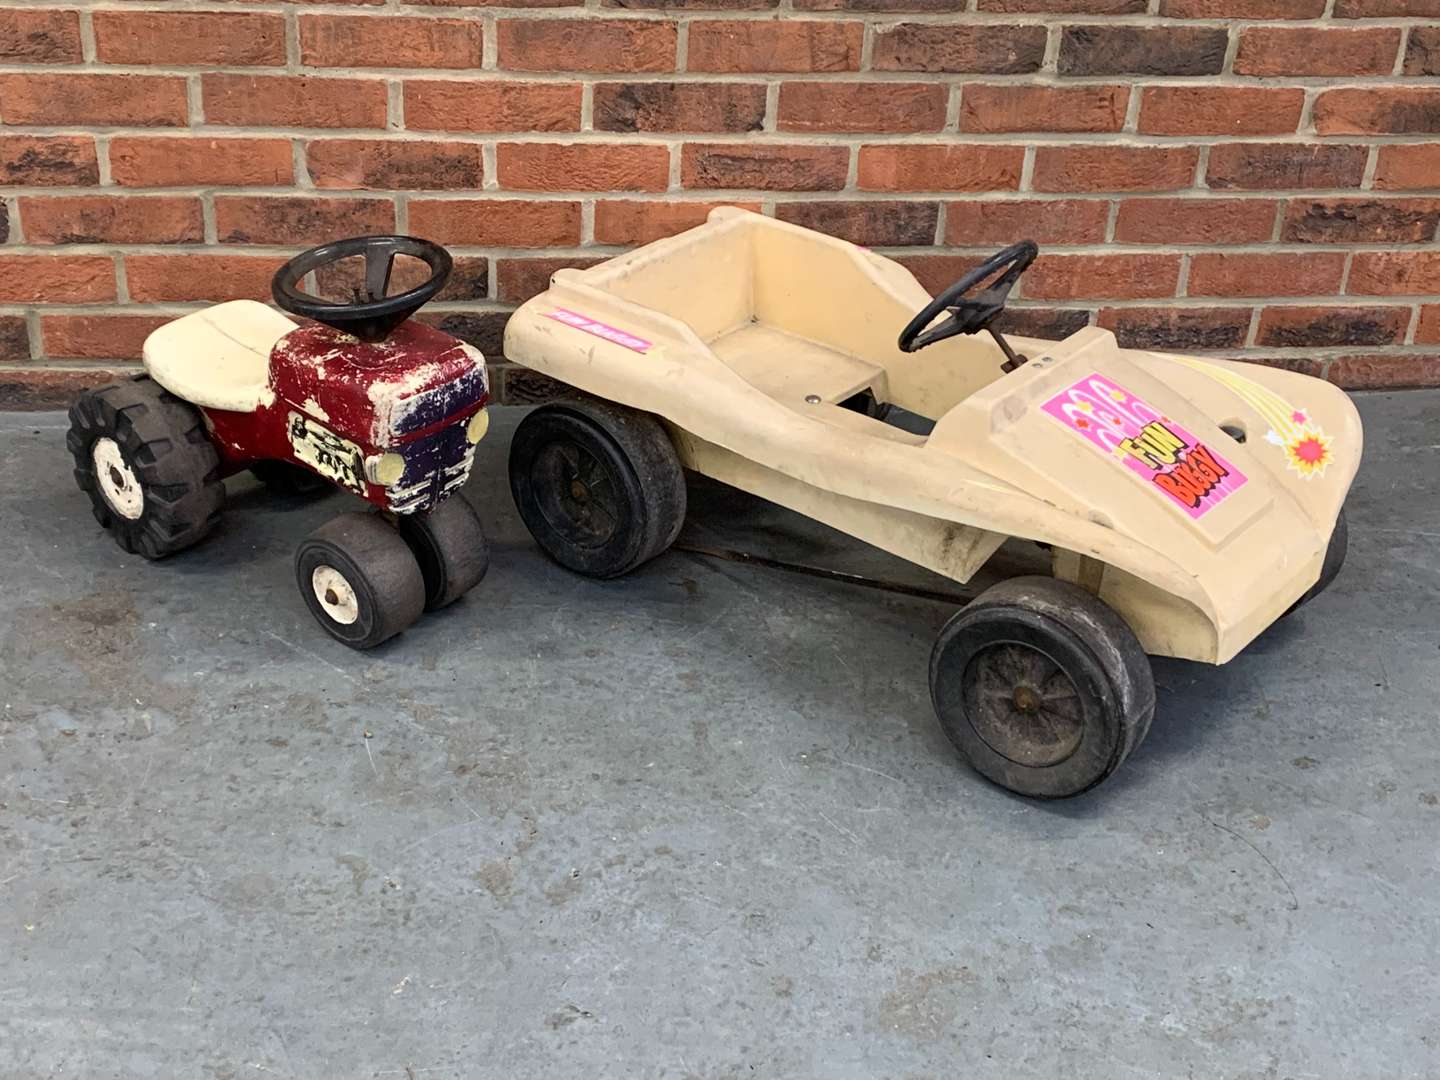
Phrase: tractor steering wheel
pixel 970 315
pixel 371 315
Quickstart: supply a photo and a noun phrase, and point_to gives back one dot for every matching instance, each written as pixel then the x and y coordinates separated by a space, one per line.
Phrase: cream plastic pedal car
pixel 1186 504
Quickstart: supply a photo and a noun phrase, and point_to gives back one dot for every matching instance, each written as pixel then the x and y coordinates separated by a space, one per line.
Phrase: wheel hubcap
pixel 1023 705
pixel 576 494
pixel 118 482
pixel 337 597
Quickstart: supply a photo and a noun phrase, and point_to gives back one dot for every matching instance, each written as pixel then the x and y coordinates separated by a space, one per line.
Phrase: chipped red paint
pixel 411 394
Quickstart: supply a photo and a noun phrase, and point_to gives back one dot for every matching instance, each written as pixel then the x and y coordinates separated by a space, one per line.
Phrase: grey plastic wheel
pixel 449 544
pixel 359 579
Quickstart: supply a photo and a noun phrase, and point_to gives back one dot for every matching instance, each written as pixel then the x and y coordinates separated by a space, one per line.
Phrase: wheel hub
pixel 118 482
pixel 576 493
pixel 337 597
pixel 1023 705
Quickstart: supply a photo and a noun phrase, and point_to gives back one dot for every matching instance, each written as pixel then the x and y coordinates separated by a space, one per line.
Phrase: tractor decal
pixel 1152 446
pixel 328 454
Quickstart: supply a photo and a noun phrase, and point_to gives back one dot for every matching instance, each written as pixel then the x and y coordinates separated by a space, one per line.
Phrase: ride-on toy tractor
pixel 383 407
pixel 1175 506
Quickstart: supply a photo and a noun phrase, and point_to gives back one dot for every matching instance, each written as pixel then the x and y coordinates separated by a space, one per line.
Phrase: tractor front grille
pixel 435 466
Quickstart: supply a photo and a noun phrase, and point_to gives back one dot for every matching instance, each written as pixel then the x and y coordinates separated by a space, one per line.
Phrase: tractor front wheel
pixel 449 544
pixel 359 579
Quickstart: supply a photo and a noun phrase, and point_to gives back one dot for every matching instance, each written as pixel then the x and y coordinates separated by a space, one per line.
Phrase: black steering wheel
pixel 970 315
pixel 371 315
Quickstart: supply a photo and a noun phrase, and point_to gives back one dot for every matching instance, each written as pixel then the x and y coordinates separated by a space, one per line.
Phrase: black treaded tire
pixel 599 486
pixel 161 491
pixel 1335 553
pixel 1042 687
pixel 449 544
pixel 380 590
pixel 287 478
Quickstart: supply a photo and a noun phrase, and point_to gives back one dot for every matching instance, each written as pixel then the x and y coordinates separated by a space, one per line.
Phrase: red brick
pixel 624 221
pixel 496 222
pixel 861 107
pixel 100 100
pixel 1395 273
pixel 298 219
pixel 1242 9
pixel 301 101
pixel 1362 220
pixel 491 105
pixel 892 6
pixel 178 278
pixel 195 161
pixel 111 219
pixel 1220 110
pixel 1427 332
pixel 1411 167
pixel 940 167
pixel 1007 107
pixel 43 36
pixel 98 337
pixel 1384 372
pixel 1076 7
pixel 1276 166
pixel 775 45
pixel 1271 274
pixel 668 106
pixel 469 278
pixel 1048 222
pixel 1326 327
pixel 1101 277
pixel 391 41
pixel 385 164
pixel 1422 51
pixel 1047 323
pixel 1196 221
pixel 14 344
pixel 936 273
pixel 582 167
pixel 693 5
pixel 873 224
pixel 1384 9
pixel 175 38
pixel 53 387
pixel 764 166
pixel 56 279
pixel 1142 50
pixel 1379 110
pixel 1171 329
pixel 1305 50
pixel 1114 168
pixel 586 45
pixel 962 47
pixel 520 279
pixel 48 160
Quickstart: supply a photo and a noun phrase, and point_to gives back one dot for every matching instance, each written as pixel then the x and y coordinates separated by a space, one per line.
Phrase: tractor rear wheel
pixel 147 463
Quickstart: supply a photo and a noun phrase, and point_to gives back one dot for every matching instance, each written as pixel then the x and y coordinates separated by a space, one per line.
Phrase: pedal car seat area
pixel 218 358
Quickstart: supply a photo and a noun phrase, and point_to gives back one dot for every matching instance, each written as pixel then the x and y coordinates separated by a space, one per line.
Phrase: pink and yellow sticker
pixel 1151 445
pixel 620 337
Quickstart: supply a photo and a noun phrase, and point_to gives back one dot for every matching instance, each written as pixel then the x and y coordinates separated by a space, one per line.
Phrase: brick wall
pixel 1251 178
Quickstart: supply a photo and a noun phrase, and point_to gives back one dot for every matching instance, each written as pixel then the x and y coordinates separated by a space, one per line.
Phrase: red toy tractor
pixel 385 408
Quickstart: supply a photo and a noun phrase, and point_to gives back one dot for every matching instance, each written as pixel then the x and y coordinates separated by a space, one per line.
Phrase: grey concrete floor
pixel 697 823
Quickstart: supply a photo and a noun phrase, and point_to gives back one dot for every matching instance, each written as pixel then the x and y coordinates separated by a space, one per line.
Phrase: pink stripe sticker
pixel 599 329
pixel 1150 444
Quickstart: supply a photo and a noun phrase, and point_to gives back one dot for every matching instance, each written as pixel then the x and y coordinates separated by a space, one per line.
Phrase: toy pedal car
pixel 1185 504
pixel 380 406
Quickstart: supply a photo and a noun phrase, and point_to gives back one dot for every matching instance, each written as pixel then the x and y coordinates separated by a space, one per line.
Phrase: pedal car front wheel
pixel 359 579
pixel 599 486
pixel 1042 687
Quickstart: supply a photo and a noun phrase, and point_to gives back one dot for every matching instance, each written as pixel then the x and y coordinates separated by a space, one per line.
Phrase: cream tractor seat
pixel 218 358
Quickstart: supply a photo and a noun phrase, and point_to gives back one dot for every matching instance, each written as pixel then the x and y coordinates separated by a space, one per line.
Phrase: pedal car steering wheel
pixel 970 315
pixel 371 315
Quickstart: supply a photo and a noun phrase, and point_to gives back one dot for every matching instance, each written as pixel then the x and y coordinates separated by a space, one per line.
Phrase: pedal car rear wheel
pixel 359 579
pixel 599 486
pixel 449 544
pixel 144 458
pixel 1334 562
pixel 1042 687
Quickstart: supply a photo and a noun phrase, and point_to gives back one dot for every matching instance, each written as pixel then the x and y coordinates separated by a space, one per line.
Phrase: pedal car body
pixel 1195 497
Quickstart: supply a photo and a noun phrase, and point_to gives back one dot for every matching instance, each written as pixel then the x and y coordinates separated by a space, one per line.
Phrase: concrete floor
pixel 697 823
